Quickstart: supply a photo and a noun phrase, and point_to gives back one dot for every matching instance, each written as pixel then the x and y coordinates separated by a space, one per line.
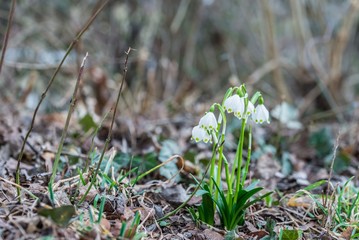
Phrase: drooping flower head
pixel 208 122
pixel 235 104
pixel 260 114
pixel 250 108
pixel 199 134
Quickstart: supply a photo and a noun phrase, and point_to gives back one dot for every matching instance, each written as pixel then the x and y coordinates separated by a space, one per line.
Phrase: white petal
pixel 250 108
pixel 235 104
pixel 260 114
pixel 239 108
pixel 231 102
pixel 208 122
pixel 199 134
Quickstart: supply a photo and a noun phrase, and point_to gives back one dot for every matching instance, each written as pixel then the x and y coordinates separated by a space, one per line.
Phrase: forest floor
pixel 294 164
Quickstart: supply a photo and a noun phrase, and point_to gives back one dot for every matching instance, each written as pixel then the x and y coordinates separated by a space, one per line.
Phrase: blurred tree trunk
pixel 272 51
pixel 338 47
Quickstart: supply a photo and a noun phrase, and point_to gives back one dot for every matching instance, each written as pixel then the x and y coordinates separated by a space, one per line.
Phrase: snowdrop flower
pixel 199 134
pixel 260 114
pixel 250 108
pixel 208 122
pixel 235 104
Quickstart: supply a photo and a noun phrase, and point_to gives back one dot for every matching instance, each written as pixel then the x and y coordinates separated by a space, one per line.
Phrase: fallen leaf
pixel 267 166
pixel 60 215
pixel 188 167
pixel 170 169
pixel 174 194
pixel 303 201
pixel 210 234
pixel 290 234
pixel 105 224
pixel 49 158
pixel 347 233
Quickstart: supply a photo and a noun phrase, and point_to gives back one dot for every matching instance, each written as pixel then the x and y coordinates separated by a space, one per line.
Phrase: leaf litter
pixel 152 197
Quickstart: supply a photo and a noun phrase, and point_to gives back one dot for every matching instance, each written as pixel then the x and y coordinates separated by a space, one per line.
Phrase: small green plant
pixel 339 208
pixel 231 203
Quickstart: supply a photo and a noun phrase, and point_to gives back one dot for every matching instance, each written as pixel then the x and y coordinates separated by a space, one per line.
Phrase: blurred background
pixel 301 54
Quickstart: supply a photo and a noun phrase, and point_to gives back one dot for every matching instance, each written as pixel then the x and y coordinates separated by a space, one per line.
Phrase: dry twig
pixel 7 33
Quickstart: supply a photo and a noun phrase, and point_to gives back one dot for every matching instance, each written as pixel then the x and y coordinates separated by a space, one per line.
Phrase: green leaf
pixel 224 211
pixel 315 185
pixel 207 209
pixel 87 123
pixel 193 213
pixel 270 224
pixel 164 224
pixel 287 234
pixel 341 163
pixel 60 215
pixel 286 163
pixel 251 186
pixel 46 238
pixel 231 235
pixel 125 160
pixel 322 142
pixel 169 148
pixel 201 192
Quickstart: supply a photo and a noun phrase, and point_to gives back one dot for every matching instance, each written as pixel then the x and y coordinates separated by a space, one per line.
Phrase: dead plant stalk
pixel 7 33
pixel 329 204
pixel 64 132
pixel 43 95
pixel 108 139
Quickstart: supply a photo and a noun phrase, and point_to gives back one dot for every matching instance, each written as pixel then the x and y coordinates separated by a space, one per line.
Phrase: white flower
pixel 199 134
pixel 235 104
pixel 208 122
pixel 260 114
pixel 250 108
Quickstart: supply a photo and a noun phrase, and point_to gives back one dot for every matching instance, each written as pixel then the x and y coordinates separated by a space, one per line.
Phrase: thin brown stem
pixel 333 160
pixel 43 95
pixel 108 139
pixel 67 123
pixel 7 33
pixel 18 186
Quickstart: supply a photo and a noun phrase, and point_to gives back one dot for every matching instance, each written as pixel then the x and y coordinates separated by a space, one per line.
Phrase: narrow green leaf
pixel 311 187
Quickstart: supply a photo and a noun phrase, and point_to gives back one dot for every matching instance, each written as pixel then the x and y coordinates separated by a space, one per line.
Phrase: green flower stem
pixel 220 150
pixel 228 94
pixel 228 178
pixel 239 156
pixel 219 170
pixel 246 169
pixel 255 97
pixel 213 161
